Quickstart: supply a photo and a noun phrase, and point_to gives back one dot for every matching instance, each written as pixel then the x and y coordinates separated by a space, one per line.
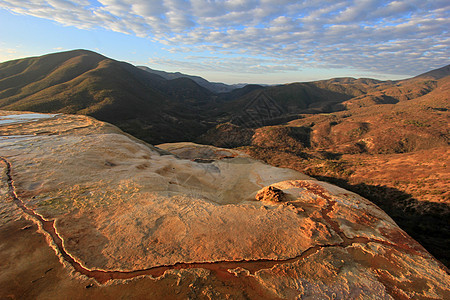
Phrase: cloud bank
pixel 389 37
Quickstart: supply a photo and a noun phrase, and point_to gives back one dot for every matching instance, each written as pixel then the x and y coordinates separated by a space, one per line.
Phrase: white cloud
pixel 217 64
pixel 403 37
pixel 7 53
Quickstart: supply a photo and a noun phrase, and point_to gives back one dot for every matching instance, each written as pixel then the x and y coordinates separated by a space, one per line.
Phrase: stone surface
pixel 270 194
pixel 186 225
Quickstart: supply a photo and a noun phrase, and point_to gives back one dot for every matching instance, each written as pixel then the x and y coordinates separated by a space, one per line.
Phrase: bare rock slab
pixel 188 215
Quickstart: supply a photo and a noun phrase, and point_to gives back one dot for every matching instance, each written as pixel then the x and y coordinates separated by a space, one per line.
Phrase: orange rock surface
pixel 123 215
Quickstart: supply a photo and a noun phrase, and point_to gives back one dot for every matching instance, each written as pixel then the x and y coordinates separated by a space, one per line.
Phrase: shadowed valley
pixel 228 202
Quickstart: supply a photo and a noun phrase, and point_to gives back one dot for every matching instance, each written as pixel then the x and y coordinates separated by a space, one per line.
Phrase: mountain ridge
pixel 90 212
pixel 84 82
pixel 344 130
pixel 215 87
pixel 158 110
pixel 436 73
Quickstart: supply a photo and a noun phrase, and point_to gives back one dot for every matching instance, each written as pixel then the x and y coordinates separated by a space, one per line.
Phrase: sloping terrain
pixel 215 87
pixel 125 217
pixel 396 155
pixel 84 82
pixel 436 74
pixel 164 107
pixel 278 104
pixel 363 134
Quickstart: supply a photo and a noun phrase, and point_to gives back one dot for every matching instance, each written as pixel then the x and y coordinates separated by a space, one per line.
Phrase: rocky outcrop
pixel 187 224
pixel 270 194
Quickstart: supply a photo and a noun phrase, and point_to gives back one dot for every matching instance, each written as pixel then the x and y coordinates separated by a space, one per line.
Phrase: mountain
pixel 271 105
pixel 123 208
pixel 326 96
pixel 89 212
pixel 167 107
pixel 215 87
pixel 394 153
pixel 436 74
pixel 83 82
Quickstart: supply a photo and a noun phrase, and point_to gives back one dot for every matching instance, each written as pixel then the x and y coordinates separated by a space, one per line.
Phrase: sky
pixel 239 41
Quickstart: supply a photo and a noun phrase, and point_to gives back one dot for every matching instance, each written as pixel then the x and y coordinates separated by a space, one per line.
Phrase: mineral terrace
pixel 87 211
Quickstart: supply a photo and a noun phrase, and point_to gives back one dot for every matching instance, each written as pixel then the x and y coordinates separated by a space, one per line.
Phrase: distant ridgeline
pixel 157 106
pixel 343 130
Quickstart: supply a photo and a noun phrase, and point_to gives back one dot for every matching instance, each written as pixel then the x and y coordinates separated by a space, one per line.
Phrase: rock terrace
pixel 115 209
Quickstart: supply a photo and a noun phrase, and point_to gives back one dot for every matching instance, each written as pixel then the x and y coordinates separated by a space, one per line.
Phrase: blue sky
pixel 253 41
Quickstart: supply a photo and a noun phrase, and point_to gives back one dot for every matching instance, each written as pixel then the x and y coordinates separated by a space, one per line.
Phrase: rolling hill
pixel 215 87
pixel 290 100
pixel 395 154
pixel 88 212
pixel 174 106
pixel 83 82
pixel 386 140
